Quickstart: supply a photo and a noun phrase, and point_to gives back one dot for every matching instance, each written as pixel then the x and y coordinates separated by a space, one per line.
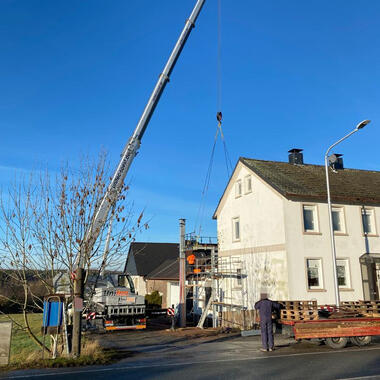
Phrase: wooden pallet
pixel 299 315
pixel 371 315
pixel 298 304
pixel 361 303
pixel 361 308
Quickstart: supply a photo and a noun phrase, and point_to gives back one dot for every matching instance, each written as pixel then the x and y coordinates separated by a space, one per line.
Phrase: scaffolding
pixel 219 290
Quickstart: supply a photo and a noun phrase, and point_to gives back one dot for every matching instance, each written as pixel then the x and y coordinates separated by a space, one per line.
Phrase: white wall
pixel 140 285
pixel 260 212
pixel 173 294
pixel 301 246
pixel 262 243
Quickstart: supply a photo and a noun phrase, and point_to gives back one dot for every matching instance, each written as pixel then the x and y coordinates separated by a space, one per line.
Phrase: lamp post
pixel 361 125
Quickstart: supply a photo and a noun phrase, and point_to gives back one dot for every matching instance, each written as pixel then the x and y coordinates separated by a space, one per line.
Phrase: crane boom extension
pixel 131 148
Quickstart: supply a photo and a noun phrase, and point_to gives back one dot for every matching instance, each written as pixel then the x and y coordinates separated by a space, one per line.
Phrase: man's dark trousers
pixel 266 327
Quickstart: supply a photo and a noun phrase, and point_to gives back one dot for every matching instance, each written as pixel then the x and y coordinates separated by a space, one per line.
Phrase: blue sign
pixel 53 313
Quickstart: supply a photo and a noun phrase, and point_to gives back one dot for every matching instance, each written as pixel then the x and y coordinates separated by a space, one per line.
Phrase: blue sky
pixel 76 75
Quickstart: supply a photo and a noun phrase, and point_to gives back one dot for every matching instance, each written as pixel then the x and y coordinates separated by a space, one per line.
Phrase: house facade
pixel 274 217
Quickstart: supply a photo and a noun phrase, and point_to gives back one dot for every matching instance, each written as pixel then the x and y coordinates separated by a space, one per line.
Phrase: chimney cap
pixel 295 150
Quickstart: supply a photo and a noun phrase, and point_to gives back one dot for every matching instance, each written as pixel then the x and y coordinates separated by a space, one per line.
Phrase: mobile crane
pixel 117 181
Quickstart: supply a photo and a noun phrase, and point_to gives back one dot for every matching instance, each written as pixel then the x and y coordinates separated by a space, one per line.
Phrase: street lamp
pixel 361 125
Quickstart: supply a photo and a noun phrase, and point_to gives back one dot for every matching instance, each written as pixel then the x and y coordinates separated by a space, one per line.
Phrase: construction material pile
pixel 363 308
pixel 309 310
pixel 299 310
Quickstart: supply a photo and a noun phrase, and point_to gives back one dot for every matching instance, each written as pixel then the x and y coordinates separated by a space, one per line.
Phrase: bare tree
pixel 43 220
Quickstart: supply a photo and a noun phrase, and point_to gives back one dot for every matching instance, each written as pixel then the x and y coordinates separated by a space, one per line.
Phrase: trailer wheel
pixel 339 342
pixel 361 340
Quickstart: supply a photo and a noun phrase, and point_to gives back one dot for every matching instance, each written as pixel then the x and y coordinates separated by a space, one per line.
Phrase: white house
pixel 274 217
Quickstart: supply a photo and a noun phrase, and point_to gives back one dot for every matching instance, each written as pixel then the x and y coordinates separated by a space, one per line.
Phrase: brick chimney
pixel 295 156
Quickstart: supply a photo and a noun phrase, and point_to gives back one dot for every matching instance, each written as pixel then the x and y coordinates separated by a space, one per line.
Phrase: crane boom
pixel 131 148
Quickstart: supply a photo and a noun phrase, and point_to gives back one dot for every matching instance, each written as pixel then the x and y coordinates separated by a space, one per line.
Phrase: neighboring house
pixel 274 217
pixel 154 266
pixel 165 280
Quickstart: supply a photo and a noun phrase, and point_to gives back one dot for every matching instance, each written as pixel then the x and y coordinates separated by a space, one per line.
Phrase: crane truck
pixel 113 304
pixel 114 312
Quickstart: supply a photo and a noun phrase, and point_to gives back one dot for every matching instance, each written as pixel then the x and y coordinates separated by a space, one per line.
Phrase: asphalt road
pixel 231 358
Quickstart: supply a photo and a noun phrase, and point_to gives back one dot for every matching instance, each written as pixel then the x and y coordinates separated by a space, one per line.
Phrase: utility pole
pixel 213 289
pixel 182 274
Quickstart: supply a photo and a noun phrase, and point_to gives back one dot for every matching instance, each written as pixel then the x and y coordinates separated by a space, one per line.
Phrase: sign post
pixel 171 314
pixel 5 342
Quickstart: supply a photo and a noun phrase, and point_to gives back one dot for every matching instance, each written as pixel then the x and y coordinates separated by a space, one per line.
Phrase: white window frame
pixel 346 264
pixel 314 208
pixel 248 180
pixel 234 235
pixel 320 274
pixel 239 278
pixel 342 219
pixel 369 211
pixel 238 188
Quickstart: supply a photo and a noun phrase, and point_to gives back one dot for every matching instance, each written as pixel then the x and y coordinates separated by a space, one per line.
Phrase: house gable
pixel 256 212
pixel 231 183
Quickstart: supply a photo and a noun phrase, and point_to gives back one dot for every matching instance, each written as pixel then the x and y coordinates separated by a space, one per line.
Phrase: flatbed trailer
pixel 337 332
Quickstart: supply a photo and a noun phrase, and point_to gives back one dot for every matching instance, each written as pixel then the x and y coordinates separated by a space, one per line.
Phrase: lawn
pixel 26 354
pixel 22 345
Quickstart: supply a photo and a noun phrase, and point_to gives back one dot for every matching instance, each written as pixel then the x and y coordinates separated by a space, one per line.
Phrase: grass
pixel 26 354
pixel 22 345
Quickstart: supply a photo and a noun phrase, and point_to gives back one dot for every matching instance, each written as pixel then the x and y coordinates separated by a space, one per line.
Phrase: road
pixel 232 357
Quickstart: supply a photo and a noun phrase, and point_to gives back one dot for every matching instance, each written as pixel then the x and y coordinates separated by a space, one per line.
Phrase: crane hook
pixel 219 117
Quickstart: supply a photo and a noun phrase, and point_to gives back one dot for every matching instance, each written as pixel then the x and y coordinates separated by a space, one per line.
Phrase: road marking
pixel 361 378
pixel 270 356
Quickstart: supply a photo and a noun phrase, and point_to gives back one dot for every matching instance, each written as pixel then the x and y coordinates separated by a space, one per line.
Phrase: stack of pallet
pixel 299 310
pixel 364 308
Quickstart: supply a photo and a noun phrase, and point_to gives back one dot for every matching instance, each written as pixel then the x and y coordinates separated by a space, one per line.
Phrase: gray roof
pixel 143 258
pixel 308 182
pixel 168 270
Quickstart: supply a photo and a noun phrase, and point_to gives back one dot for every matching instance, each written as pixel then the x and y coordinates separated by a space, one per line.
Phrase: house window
pixel 314 273
pixel 310 219
pixel 248 184
pixel 238 187
pixel 238 272
pixel 338 219
pixel 368 218
pixel 343 273
pixel 236 229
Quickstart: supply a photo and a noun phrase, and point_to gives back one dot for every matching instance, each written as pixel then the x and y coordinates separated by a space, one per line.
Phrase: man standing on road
pixel 266 307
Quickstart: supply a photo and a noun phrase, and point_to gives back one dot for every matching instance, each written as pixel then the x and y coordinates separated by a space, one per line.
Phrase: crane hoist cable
pixel 219 61
pixel 201 210
pixel 219 117
pixel 220 88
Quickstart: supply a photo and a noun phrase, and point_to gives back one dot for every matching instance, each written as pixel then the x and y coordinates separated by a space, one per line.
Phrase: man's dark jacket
pixel 266 307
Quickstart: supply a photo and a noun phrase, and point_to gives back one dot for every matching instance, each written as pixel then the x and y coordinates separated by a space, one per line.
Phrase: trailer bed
pixel 334 328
